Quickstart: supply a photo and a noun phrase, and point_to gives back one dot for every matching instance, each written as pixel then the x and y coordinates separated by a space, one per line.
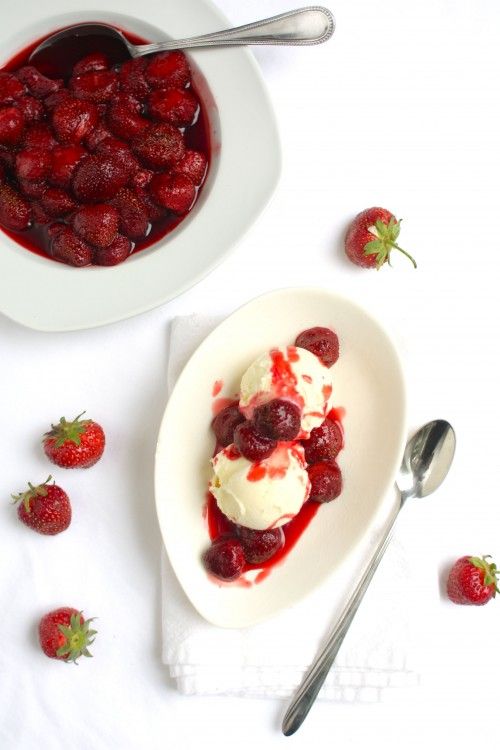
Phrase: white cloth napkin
pixel 269 659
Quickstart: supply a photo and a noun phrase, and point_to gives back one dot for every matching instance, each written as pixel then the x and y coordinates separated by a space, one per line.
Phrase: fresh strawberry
pixel 124 117
pixel 371 237
pixel 64 634
pixel 132 79
pixel 117 252
pixel 95 86
pixel 44 508
pixel 168 69
pixel 14 210
pixel 67 247
pixel 31 108
pixel 11 125
pixel 57 202
pixel 97 224
pixel 39 135
pixel 323 342
pixel 472 580
pixel 173 191
pixel 99 178
pixel 225 559
pixel 74 445
pixel 39 85
pixel 64 161
pixel 33 164
pixel 194 165
pixel 73 119
pixel 94 61
pixel 176 106
pixel 134 221
pixel 10 88
pixel 160 146
pixel 277 419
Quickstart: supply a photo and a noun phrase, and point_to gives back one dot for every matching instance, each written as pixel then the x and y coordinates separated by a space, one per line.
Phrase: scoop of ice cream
pixel 289 373
pixel 261 495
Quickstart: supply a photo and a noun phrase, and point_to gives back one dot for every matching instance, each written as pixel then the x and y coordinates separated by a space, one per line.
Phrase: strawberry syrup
pixel 196 136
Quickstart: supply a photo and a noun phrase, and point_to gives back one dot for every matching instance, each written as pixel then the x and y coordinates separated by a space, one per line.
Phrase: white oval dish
pixel 368 384
pixel 245 168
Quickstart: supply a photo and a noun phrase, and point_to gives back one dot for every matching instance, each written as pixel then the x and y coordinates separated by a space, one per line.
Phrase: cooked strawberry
pixel 225 559
pixel 134 221
pixel 154 211
pixel 10 88
pixel 472 580
pixel 278 420
pixel 99 178
pixel 31 108
pixel 97 224
pixel 14 210
pixel 64 634
pixel 39 135
pixel 117 252
pixel 225 423
pixel 168 69
pixel 176 106
pixel 119 151
pixel 173 191
pixel 55 228
pixel 57 202
pixel 7 158
pixel 58 97
pixel 160 146
pixel 371 237
pixel 33 189
pixel 67 247
pixel 124 117
pixel 44 508
pixel 324 442
pixel 326 481
pixel 64 161
pixel 39 214
pixel 141 178
pixel 95 86
pixel 194 165
pixel 76 444
pixel 260 546
pixel 99 134
pixel 132 79
pixel 94 61
pixel 33 164
pixel 251 444
pixel 323 342
pixel 39 85
pixel 73 119
pixel 11 125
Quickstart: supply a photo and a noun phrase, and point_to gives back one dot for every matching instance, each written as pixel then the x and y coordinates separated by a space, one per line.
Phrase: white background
pixel 401 110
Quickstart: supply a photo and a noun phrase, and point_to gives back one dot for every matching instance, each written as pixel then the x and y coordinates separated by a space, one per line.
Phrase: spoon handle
pixel 317 672
pixel 299 27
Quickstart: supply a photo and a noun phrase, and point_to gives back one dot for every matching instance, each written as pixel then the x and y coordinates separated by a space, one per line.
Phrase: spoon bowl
pixel 427 459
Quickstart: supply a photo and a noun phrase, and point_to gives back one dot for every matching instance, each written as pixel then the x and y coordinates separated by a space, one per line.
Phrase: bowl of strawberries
pixel 116 174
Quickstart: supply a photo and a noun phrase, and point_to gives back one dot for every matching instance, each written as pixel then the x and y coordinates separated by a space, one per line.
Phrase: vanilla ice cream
pixel 261 495
pixel 293 374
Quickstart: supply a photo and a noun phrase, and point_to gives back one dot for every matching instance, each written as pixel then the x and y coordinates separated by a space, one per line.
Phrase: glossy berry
pixel 39 135
pixel 322 342
pixel 39 85
pixel 67 247
pixel 14 210
pixel 11 125
pixel 124 117
pixel 95 85
pixel 176 192
pixel 132 79
pixel 324 442
pixel 278 420
pixel 371 237
pixel 251 444
pixel 31 108
pixel 33 164
pixel 176 106
pixel 326 481
pixel 57 201
pixel 160 146
pixel 64 634
pixel 117 252
pixel 44 508
pixel 99 178
pixel 259 546
pixel 472 580
pixel 194 165
pixel 64 161
pixel 90 63
pixel 225 559
pixel 168 69
pixel 225 422
pixel 77 444
pixel 74 119
pixel 10 88
pixel 97 224
pixel 120 151
pixel 134 220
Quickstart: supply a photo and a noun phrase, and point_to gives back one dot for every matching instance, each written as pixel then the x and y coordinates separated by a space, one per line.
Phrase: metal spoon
pixel 426 461
pixel 303 26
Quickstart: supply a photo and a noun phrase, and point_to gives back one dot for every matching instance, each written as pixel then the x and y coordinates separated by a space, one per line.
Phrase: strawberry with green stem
pixel 371 237
pixel 76 444
pixel 65 634
pixel 472 580
pixel 44 508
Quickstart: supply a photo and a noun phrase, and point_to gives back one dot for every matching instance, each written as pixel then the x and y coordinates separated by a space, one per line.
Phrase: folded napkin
pixel 270 659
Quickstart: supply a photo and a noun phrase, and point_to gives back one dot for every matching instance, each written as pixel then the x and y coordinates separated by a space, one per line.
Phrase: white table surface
pixel 399 110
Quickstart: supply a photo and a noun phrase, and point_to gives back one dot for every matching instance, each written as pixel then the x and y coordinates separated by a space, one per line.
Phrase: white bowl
pixel 368 383
pixel 245 167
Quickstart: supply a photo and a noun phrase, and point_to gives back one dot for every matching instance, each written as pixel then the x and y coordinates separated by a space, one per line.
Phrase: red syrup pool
pixel 196 136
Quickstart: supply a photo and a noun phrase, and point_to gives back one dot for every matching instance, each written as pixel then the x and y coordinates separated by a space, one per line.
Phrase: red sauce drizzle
pixel 217 388
pixel 307 378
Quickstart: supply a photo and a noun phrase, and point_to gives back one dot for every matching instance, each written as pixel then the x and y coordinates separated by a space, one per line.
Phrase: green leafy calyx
pixel 385 240
pixel 68 431
pixel 39 490
pixel 490 571
pixel 78 636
